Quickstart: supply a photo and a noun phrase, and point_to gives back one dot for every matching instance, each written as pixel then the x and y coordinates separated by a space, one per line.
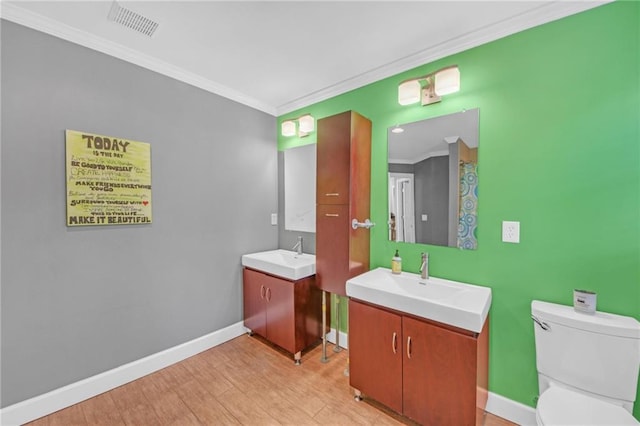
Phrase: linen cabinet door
pixel 332 248
pixel 333 158
pixel 375 353
pixel 439 375
pixel 254 290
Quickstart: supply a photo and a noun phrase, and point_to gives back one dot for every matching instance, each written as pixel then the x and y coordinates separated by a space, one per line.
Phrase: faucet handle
pixel 424 267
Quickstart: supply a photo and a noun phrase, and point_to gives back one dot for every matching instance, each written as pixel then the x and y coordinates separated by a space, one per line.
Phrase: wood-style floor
pixel 244 381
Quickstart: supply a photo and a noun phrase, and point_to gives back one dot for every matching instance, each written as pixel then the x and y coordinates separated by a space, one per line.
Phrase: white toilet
pixel 587 366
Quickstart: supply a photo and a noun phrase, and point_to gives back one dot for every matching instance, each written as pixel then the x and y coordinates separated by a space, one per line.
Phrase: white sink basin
pixel 283 263
pixel 450 302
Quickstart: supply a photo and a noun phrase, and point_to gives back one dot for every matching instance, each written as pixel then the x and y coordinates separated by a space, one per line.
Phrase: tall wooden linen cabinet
pixel 343 188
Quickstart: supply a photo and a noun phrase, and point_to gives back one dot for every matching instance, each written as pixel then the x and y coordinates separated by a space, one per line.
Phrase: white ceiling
pixel 278 56
pixel 431 137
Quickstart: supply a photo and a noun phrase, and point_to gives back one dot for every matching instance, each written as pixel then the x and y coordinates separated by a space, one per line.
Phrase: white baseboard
pixel 511 410
pixel 50 402
pixel 344 338
pixel 42 405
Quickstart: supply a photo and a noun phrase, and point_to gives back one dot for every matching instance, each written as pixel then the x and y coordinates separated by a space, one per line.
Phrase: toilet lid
pixel 557 406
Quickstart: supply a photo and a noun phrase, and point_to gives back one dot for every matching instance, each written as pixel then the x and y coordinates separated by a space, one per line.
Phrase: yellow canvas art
pixel 108 180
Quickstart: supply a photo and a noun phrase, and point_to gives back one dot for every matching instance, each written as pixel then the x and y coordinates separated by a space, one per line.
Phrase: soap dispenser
pixel 396 264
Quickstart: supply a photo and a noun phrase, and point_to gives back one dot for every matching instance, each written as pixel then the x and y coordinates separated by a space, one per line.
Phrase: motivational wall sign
pixel 108 180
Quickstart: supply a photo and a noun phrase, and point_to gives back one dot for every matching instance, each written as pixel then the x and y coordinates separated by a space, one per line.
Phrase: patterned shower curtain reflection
pixel 468 218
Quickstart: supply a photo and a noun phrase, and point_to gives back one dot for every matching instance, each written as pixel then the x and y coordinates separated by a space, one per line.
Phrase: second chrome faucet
pixel 298 245
pixel 424 266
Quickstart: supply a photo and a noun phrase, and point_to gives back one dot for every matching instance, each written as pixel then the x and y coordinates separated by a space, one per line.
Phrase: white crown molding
pixel 546 13
pixel 18 15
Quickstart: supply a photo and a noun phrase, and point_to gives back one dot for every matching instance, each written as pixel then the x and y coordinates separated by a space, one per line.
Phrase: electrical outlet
pixel 510 232
pixel 274 218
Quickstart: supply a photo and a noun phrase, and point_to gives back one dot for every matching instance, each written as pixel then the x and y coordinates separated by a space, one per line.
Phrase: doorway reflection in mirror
pixel 433 181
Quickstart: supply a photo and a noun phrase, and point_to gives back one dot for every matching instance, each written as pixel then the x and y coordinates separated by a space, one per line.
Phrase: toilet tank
pixel 597 353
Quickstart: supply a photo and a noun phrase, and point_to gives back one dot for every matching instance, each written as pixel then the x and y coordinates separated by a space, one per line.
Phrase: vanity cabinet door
pixel 287 313
pixel 254 288
pixel 375 353
pixel 280 312
pixel 439 374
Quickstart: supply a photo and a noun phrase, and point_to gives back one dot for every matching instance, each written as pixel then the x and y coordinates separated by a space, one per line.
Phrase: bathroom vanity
pixel 428 370
pixel 281 300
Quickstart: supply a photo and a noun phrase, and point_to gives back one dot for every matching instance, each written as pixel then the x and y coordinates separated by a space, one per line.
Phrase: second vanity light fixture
pixel 436 84
pixel 306 125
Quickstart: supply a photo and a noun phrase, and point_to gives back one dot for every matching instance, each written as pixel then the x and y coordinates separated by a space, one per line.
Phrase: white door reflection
pixel 401 207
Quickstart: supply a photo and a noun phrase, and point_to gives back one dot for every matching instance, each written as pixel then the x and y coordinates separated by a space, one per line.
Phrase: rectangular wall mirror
pixel 300 188
pixel 433 180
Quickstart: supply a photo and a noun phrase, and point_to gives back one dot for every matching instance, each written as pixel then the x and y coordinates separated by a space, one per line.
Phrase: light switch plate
pixel 274 218
pixel 511 232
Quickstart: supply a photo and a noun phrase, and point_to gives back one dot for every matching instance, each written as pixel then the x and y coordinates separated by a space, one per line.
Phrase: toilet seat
pixel 558 406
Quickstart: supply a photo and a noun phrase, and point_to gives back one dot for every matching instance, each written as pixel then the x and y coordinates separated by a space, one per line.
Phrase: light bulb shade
pixel 447 81
pixel 306 124
pixel 409 92
pixel 288 128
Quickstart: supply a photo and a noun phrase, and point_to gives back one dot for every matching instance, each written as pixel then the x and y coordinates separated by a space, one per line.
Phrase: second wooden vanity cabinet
pixel 431 373
pixel 287 313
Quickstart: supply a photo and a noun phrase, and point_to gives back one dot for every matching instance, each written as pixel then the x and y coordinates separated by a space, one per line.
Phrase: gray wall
pixel 401 168
pixel 432 198
pixel 79 301
pixel 454 193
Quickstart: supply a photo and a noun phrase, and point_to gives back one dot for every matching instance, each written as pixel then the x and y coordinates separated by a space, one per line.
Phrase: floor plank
pixel 102 410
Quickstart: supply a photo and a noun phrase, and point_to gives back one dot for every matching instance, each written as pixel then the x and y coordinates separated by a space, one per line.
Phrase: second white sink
pixel 450 302
pixel 283 263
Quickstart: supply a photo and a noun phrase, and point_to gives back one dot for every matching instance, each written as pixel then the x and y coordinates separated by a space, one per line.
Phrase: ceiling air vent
pixel 131 19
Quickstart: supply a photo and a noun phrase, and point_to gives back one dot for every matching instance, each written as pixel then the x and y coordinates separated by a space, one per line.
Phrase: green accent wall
pixel 559 151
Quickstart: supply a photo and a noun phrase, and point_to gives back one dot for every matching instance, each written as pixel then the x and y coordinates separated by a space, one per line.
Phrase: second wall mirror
pixel 433 180
pixel 300 188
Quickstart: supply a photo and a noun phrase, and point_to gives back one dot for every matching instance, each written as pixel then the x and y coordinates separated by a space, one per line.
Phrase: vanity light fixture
pixel 306 125
pixel 436 84
pixel 288 128
pixel 397 129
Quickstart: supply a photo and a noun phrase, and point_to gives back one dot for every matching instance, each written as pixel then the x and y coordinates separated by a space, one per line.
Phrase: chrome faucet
pixel 424 266
pixel 298 245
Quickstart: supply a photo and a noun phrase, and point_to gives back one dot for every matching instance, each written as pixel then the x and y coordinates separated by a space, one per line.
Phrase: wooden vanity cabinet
pixel 343 187
pixel 375 353
pixel 286 313
pixel 431 373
